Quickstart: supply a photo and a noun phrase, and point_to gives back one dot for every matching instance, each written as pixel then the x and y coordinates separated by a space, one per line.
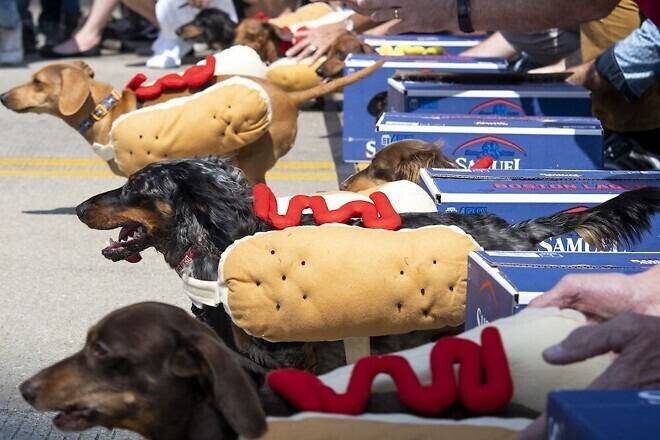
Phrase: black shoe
pixel 48 52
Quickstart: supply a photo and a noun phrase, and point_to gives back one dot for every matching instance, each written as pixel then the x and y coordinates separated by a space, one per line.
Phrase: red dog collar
pixel 377 215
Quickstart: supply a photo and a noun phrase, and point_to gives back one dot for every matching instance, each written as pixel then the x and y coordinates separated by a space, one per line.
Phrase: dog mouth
pixel 133 239
pixel 76 418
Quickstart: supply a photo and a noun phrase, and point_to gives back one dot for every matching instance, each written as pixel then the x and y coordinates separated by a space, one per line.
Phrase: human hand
pixel 602 297
pixel 315 42
pixel 632 337
pixel 200 4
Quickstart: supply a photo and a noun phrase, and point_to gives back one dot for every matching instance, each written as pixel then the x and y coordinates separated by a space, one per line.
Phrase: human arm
pixel 494 46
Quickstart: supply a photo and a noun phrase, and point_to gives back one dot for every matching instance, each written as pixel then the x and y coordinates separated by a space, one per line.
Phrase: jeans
pixel 9 17
pixel 633 64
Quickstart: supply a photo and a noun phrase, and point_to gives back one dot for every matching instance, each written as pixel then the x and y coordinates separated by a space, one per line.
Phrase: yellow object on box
pixel 405 49
pixel 313 283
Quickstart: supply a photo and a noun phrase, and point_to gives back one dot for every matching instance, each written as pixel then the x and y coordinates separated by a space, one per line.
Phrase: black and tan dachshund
pixel 201 206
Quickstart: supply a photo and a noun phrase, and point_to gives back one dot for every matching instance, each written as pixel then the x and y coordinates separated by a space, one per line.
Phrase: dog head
pixel 59 89
pixel 152 369
pixel 346 44
pixel 174 206
pixel 261 36
pixel 398 161
pixel 211 26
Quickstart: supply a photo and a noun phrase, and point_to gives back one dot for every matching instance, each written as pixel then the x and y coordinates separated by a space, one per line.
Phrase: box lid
pixel 528 274
pixel 533 186
pixel 425 40
pixel 441 62
pixel 425 89
pixel 488 124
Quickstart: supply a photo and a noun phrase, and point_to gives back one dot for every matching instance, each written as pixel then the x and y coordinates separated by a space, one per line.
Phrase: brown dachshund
pixel 346 44
pixel 70 92
pixel 398 161
pixel 153 369
pixel 263 37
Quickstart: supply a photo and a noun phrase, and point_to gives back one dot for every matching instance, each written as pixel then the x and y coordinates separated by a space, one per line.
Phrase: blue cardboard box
pixel 452 44
pixel 604 415
pixel 502 283
pixel 366 100
pixel 514 143
pixel 526 194
pixel 522 99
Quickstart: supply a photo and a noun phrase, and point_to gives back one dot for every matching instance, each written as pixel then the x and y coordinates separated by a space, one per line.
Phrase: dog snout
pixel 4 98
pixel 82 209
pixel 320 71
pixel 29 390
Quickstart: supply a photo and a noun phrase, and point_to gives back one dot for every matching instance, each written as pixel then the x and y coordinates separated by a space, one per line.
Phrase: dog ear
pixel 231 392
pixel 368 49
pixel 84 67
pixel 422 155
pixel 75 90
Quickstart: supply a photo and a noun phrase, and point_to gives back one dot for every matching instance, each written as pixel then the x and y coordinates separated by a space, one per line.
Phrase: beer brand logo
pixel 498 107
pixel 507 155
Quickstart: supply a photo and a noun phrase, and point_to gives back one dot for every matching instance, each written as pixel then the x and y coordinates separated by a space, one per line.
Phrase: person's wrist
pixel 464 15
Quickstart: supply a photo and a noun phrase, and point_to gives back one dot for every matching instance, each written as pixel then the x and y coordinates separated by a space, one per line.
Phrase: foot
pixel 79 43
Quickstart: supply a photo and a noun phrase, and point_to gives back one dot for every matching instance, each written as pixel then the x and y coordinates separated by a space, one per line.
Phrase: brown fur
pixel 261 36
pixel 152 369
pixel 68 91
pixel 343 46
pixel 398 161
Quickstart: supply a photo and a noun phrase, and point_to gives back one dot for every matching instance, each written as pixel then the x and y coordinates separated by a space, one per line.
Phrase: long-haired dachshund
pixel 400 160
pixel 153 369
pixel 201 206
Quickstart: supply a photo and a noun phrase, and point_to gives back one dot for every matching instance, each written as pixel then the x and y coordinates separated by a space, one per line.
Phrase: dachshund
pixel 345 44
pixel 211 26
pixel 267 40
pixel 400 160
pixel 155 370
pixel 199 207
pixel 70 92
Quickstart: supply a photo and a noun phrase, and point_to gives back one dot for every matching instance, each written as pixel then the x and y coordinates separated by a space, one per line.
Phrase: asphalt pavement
pixel 54 282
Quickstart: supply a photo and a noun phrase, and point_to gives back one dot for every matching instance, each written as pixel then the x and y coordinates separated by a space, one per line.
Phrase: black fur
pixel 212 206
pixel 217 29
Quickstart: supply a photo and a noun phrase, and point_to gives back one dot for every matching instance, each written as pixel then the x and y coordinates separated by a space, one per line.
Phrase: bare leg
pixel 90 34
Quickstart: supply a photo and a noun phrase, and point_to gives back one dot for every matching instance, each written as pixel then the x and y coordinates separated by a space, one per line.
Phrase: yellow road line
pixel 81 162
pixel 274 175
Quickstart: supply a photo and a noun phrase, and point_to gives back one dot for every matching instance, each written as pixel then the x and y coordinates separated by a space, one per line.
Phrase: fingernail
pixel 554 351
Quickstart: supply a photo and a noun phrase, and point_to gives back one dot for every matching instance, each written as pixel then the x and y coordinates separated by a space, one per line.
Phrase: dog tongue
pixel 135 258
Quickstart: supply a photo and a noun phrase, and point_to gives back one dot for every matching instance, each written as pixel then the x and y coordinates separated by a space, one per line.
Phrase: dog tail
pixel 301 97
pixel 622 219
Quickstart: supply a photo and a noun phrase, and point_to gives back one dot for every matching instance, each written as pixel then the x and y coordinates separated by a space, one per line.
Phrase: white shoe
pixel 168 53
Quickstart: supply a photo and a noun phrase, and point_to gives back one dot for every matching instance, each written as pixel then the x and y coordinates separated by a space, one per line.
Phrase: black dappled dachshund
pixel 210 26
pixel 205 205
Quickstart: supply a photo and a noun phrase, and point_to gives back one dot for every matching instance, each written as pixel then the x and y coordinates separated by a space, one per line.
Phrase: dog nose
pixel 320 72
pixel 3 99
pixel 344 185
pixel 80 210
pixel 28 390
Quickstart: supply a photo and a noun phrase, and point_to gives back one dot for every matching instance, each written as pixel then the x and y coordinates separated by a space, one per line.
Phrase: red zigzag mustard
pixel 484 381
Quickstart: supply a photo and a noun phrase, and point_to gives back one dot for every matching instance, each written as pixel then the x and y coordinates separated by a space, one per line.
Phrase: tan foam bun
pixel 309 12
pixel 217 121
pixel 331 282
pixel 294 78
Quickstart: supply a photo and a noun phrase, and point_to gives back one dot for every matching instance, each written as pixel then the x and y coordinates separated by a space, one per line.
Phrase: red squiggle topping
pixel 377 215
pixel 194 77
pixel 484 381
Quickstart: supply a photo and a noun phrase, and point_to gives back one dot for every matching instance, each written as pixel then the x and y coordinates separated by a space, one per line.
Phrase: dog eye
pixel 100 350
